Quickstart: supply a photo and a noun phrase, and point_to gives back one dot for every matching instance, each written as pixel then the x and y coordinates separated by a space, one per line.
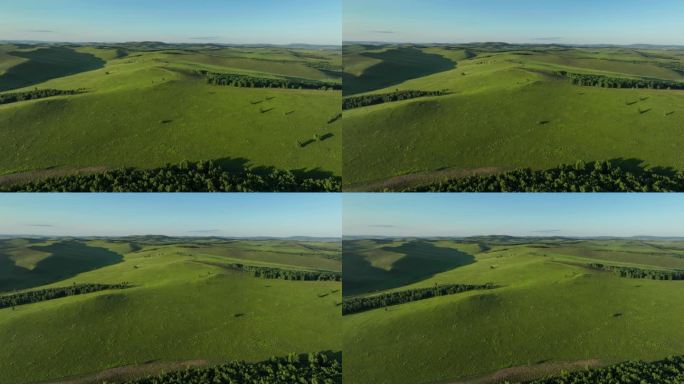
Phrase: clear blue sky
pixel 456 214
pixel 216 21
pixel 516 21
pixel 195 214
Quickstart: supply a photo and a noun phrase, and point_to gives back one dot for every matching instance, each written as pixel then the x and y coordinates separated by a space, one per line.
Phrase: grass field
pixel 146 105
pixel 183 308
pixel 549 312
pixel 507 108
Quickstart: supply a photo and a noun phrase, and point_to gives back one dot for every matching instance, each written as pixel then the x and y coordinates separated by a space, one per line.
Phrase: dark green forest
pixel 29 297
pixel 314 368
pixel 361 304
pixel 366 100
pixel 245 81
pixel 36 94
pixel 619 82
pixel 284 274
pixel 600 176
pixel 203 176
pixel 666 371
pixel 640 273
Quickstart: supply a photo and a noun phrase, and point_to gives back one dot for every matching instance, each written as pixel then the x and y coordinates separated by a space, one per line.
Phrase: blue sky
pixel 216 21
pixel 195 214
pixel 459 214
pixel 515 21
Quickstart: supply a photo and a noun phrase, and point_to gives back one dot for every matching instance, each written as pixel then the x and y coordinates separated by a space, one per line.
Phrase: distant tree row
pixel 640 273
pixel 314 368
pixel 366 100
pixel 361 304
pixel 246 81
pixel 666 371
pixel 203 176
pixel 600 176
pixel 618 82
pixel 324 66
pixel 285 274
pixel 36 94
pixel 29 297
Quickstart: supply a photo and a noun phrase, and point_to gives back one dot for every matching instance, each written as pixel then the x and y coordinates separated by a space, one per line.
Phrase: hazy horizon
pixel 609 22
pixel 518 215
pixel 187 215
pixel 178 21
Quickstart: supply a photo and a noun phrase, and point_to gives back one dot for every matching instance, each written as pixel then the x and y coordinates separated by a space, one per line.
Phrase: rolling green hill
pixel 184 307
pixel 507 107
pixel 549 310
pixel 148 105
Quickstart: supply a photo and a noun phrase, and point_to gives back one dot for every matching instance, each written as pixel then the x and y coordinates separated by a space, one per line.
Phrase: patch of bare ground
pixel 420 178
pixel 525 373
pixel 26 177
pixel 130 372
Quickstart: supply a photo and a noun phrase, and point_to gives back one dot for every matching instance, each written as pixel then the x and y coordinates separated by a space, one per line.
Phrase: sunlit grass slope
pixel 509 108
pixel 181 308
pixel 549 313
pixel 146 108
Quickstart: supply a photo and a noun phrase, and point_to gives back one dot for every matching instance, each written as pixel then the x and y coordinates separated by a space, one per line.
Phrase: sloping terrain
pixel 185 307
pixel 550 311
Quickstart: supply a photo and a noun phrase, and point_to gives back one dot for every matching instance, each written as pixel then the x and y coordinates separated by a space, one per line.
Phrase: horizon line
pixel 345 42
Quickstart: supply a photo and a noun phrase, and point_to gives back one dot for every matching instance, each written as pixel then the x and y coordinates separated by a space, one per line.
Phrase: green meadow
pixel 184 308
pixel 144 105
pixel 549 312
pixel 506 107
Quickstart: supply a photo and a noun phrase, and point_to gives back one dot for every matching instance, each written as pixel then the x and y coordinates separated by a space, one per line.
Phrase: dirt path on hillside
pixel 530 372
pixel 25 177
pixel 420 178
pixel 129 372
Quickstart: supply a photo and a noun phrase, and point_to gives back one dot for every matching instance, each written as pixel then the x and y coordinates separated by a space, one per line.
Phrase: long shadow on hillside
pixel 422 259
pixel 47 63
pixel 397 66
pixel 67 259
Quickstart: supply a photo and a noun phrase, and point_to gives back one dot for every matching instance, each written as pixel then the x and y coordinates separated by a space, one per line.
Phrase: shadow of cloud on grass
pixel 45 64
pixel 67 259
pixel 421 260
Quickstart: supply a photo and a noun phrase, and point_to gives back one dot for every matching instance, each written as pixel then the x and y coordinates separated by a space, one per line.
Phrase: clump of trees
pixel 202 176
pixel 666 371
pixel 315 368
pixel 29 297
pixel 285 274
pixel 361 304
pixel 619 82
pixel 36 94
pixel 246 81
pixel 640 273
pixel 366 100
pixel 600 176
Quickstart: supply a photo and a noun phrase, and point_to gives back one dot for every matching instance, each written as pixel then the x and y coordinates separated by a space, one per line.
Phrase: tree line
pixel 666 371
pixel 314 368
pixel 285 274
pixel 36 94
pixel 640 273
pixel 29 297
pixel 202 176
pixel 600 176
pixel 246 81
pixel 361 304
pixel 366 100
pixel 619 82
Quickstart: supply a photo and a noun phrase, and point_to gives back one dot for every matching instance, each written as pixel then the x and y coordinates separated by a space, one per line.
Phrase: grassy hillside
pixel 146 107
pixel 183 309
pixel 508 107
pixel 549 311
